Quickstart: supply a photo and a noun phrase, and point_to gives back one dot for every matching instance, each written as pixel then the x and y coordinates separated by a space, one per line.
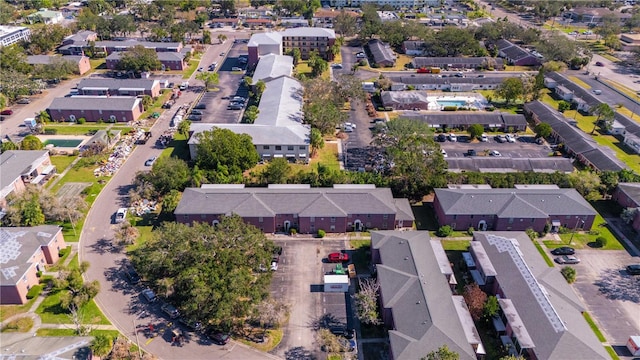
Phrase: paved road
pixel 121 303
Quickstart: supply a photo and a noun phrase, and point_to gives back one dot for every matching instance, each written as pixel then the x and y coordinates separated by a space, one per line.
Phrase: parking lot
pixel 230 85
pixel 612 295
pixel 298 282
pixel 524 147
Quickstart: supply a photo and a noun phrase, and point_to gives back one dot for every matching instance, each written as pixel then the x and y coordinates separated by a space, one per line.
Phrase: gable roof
pixel 549 310
pixel 632 190
pixel 513 203
pixel 47 59
pixel 304 201
pixel 15 163
pixel 267 38
pixel 18 245
pixel 115 84
pixel 271 66
pixel 413 287
pixel 113 103
pixel 380 51
pixel 475 61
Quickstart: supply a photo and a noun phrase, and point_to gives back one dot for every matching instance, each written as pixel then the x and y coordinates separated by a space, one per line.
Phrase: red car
pixel 338 257
pixel 598 63
pixel 6 112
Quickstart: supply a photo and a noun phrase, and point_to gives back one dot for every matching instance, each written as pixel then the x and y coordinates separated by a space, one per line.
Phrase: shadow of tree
pixel 103 246
pixel 299 353
pixel 618 285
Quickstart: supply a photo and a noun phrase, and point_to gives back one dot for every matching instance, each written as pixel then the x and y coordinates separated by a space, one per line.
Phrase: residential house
pixel 513 209
pixel 563 93
pixel 294 22
pixel 278 131
pixel 418 306
pixel 10 35
pixel 81 63
pixel 309 39
pixel 410 4
pixel 593 14
pixel 326 18
pixel 279 208
pixel 462 120
pixel 257 23
pixel 575 142
pixel 95 108
pixel 453 84
pixel 515 55
pixel 457 63
pixel 632 141
pixel 415 48
pixel 220 22
pixel 262 44
pixel 82 36
pixel 272 66
pixel 47 17
pixel 119 87
pixel 21 168
pixel 540 316
pixel 381 52
pixel 72 9
pixel 405 100
pixel 169 60
pixel 24 251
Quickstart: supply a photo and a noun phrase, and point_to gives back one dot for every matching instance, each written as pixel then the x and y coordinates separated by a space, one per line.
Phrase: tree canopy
pixel 210 273
pixel 223 150
pixel 139 59
pixel 510 89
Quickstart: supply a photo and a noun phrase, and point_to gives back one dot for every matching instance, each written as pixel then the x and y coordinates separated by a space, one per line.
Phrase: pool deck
pixel 82 138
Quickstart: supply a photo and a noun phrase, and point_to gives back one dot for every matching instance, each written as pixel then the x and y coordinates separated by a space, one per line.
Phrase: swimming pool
pixel 458 103
pixel 69 143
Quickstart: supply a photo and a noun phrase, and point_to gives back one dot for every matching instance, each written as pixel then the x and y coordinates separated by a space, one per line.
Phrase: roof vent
pixel 419 302
pixel 406 258
pixel 401 241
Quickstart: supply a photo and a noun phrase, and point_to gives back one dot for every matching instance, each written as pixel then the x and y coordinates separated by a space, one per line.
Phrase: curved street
pixel 121 302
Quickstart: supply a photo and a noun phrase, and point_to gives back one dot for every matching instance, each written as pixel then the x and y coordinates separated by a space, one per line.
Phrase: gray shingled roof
pixel 509 164
pixel 555 324
pixel 272 66
pixel 113 103
pixel 524 203
pixel 418 295
pixel 18 245
pixel 427 79
pixel 14 163
pixel 632 190
pixel 310 31
pixel 380 51
pixel 115 84
pixel 256 202
pixel 469 118
pixel 403 97
pixel 473 61
pixel 47 59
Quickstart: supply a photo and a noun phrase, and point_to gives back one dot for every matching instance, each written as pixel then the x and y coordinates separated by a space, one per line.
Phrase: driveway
pixel 612 296
pixel 524 147
pixel 298 282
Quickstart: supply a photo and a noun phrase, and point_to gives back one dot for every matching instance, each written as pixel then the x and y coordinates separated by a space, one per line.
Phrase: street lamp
pixel 574 229
pixel 135 330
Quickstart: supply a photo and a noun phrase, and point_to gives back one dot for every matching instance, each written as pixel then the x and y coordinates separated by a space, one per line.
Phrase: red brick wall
pixel 621 198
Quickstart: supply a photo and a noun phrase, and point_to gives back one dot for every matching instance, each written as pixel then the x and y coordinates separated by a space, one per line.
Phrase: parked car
pixel 494 153
pixel 235 68
pixel 564 250
pixel 444 153
pixel 470 152
pixel 453 137
pixel 24 100
pixel 350 125
pixel 484 138
pixel 219 337
pixel 200 69
pixel 274 266
pixel 200 106
pixel 6 112
pixel 338 257
pixel 510 138
pixel 194 117
pixel 222 53
pixel 598 63
pixel 567 259
pixel 196 112
pixel 633 269
pixel 150 161
pixel 361 55
pixel 170 310
pixel 121 215
pixel 149 295
pixel 500 138
pixel 442 138
pixel 132 275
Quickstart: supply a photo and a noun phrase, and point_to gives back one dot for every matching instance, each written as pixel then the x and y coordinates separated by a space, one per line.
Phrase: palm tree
pixel 605 115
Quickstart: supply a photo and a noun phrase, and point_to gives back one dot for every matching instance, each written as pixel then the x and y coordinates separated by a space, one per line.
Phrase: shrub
pixel 547 228
pixel 569 274
pixel 34 291
pixel 594 232
pixel 532 234
pixel 64 252
pixel 444 231
pixel 39 274
pixel 450 108
pixel 470 231
pixel 293 231
pixel 50 131
pixel 563 230
pixel 82 121
pixel 601 241
pixel 321 233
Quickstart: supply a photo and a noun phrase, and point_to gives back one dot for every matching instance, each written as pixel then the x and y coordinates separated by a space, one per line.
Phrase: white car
pixel 121 215
pixel 444 153
pixel 350 124
pixel 361 55
pixel 510 138
pixel 484 138
pixel 494 153
pixel 453 137
pixel 274 266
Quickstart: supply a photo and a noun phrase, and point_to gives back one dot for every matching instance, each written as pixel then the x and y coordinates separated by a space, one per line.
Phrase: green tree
pixel 587 183
pixel 184 127
pixel 558 47
pixel 324 116
pixel 316 140
pixel 168 173
pixel 563 106
pixel 101 345
pixel 31 142
pixel 367 302
pixel 32 213
pixel 276 172
pixel 538 84
pixel 206 37
pixel 209 78
pixel 7 12
pixel 122 25
pixel 345 24
pixel 491 307
pixel 170 202
pixel 139 59
pixel 45 38
pixel 543 130
pixel 13 57
pixel 475 131
pixel 295 53
pixel 317 64
pixel 8 145
pixel 443 353
pixel 259 88
pixel 605 116
pixel 569 274
pixel 224 148
pixel 216 281
pixel 251 114
pixel 510 89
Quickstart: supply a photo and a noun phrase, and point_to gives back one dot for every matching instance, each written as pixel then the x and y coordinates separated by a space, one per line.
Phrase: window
pixel 384 225
pixel 455 217
pixel 510 220
pixel 385 216
pixel 332 228
pixel 333 219
pixel 302 147
pixel 290 147
pixel 533 220
pixel 568 217
pixel 471 216
pixel 260 219
pixel 312 219
pixel 265 147
pixel 278 147
pixel 203 216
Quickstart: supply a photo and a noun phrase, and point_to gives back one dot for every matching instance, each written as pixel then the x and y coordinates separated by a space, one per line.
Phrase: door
pixel 482 225
pixel 287 226
pixel 357 225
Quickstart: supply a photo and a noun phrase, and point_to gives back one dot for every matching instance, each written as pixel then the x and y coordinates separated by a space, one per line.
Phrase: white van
pixel 184 85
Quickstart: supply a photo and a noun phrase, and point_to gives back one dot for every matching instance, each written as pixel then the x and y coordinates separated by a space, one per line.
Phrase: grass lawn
pixel 76 129
pixel 98 63
pixel 544 254
pixel 579 82
pixel 7 311
pixel 23 324
pixel 612 353
pixel 585 239
pixel 303 68
pixel 273 339
pixel 52 312
pixel 594 327
pixel 71 332
pixel 456 245
pixel 157 105
pixel 61 162
pixel 361 255
pixel 328 156
pixel 58 265
pixel 609 57
pixel 193 65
